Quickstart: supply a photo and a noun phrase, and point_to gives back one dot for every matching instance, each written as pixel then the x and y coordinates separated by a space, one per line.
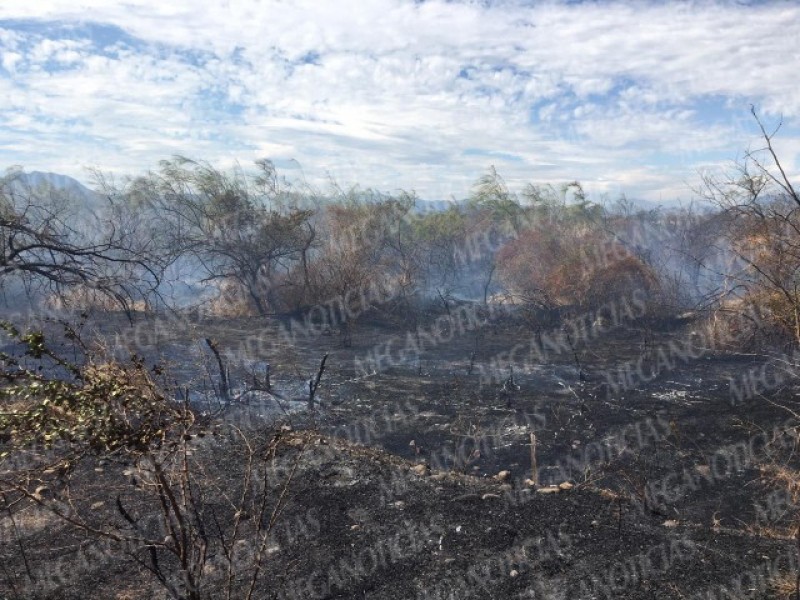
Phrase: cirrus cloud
pixel 629 98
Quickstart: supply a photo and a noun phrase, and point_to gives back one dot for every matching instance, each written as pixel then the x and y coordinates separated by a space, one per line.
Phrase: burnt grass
pixel 670 488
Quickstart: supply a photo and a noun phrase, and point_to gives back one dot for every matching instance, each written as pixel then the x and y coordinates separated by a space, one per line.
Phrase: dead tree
pixel 54 245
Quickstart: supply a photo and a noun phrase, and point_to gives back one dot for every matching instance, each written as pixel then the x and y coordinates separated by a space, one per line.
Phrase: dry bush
pixel 357 262
pixel 620 279
pixel 770 261
pixel 761 210
pixel 748 323
pixel 561 266
pixel 534 267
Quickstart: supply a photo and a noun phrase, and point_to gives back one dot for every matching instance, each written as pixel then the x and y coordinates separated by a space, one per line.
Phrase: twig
pixel 19 540
pixel 314 384
pixel 224 388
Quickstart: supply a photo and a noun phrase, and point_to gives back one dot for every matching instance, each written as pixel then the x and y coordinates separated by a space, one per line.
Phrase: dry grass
pixel 87 298
pixel 784 477
pixel 771 532
pixel 784 587
pixel 232 302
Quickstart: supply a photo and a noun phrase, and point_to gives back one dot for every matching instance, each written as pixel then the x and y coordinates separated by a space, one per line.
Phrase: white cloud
pixel 391 93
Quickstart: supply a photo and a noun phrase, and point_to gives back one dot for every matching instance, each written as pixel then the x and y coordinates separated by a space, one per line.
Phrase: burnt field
pixel 394 300
pixel 611 455
pixel 235 389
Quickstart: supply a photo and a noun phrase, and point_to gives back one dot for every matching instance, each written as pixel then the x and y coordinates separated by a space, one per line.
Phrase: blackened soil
pixel 671 475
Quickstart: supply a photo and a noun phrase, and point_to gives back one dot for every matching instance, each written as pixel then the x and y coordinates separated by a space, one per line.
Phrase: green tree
pixel 238 228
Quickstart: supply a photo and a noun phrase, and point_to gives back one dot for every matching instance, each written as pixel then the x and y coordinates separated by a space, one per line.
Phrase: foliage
pixel 93 408
pixel 440 235
pixel 491 195
pixel 60 418
pixel 236 228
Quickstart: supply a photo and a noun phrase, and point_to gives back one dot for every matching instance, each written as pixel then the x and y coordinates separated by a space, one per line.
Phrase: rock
pixel 530 483
pixel 506 487
pixel 565 486
pixel 704 470
pixel 550 489
pixel 503 476
pixel 400 505
pixel 514 573
pixel 420 469
pixel 670 523
pixel 439 476
pixel 355 527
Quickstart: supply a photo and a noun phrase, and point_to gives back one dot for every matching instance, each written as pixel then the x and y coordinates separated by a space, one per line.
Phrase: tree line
pixel 255 244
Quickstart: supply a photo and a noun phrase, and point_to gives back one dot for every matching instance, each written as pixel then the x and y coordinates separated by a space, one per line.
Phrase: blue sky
pixel 633 98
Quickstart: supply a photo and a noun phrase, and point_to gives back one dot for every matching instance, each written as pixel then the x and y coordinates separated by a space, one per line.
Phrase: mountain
pixel 57 181
pixel 74 189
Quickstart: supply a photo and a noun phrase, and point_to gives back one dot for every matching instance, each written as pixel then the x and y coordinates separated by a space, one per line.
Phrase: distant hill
pixel 59 182
pixel 84 202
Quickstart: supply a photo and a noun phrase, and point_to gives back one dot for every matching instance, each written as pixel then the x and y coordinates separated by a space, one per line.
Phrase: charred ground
pixel 672 481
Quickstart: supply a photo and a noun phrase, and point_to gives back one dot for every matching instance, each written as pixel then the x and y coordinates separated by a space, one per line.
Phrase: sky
pixel 627 98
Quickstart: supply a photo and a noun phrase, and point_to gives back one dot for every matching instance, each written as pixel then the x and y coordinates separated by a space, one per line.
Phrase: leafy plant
pixel 180 516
